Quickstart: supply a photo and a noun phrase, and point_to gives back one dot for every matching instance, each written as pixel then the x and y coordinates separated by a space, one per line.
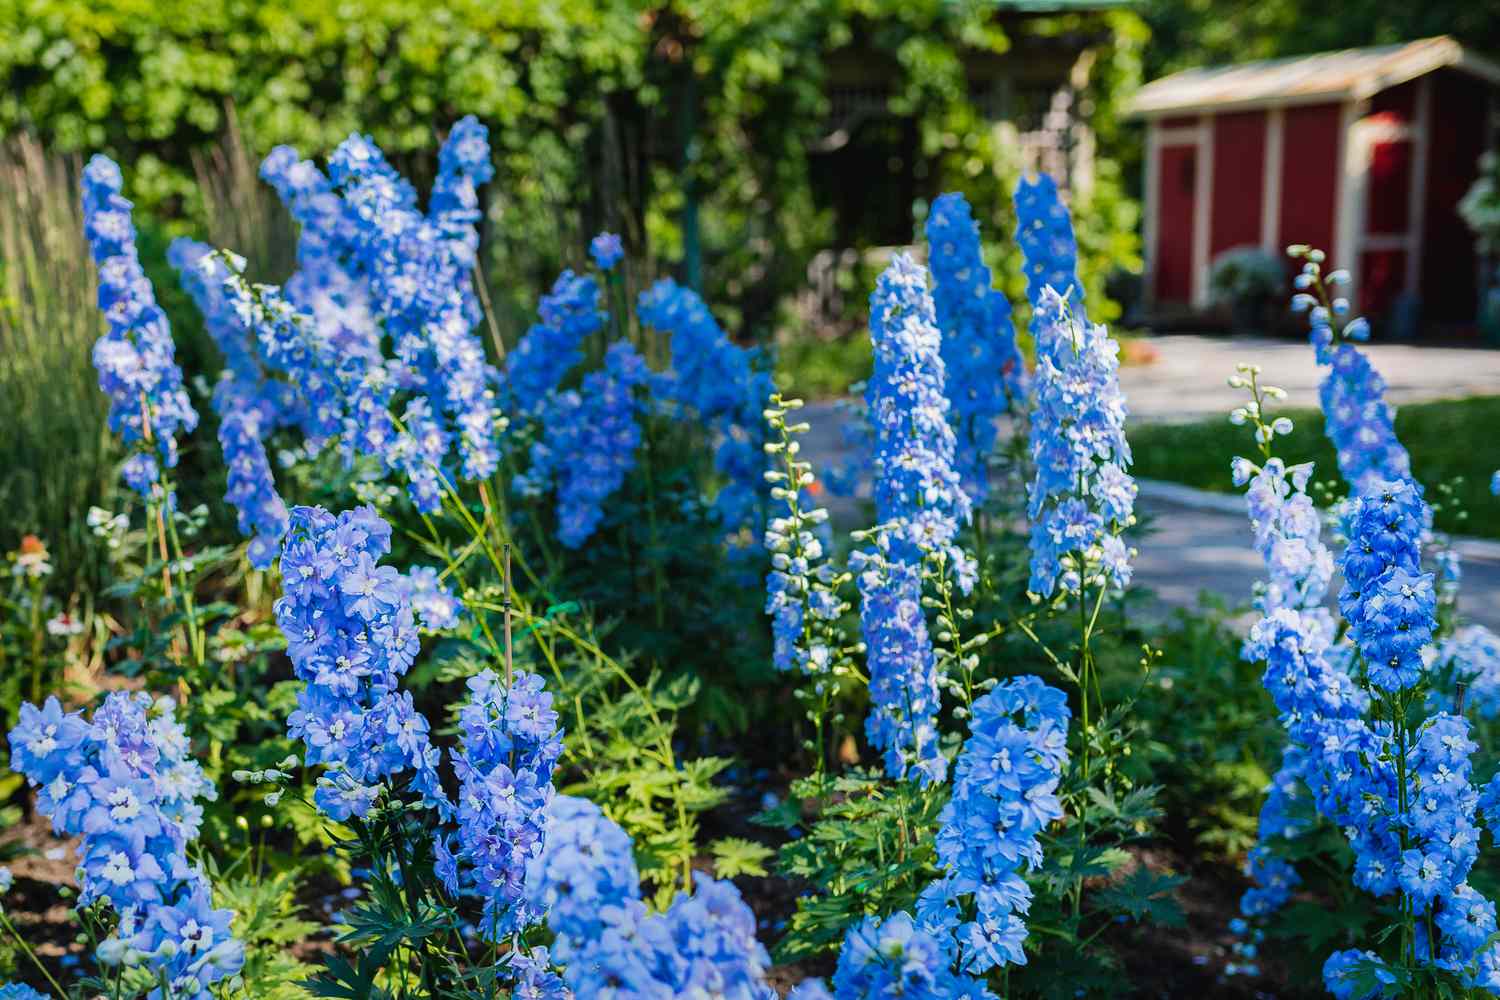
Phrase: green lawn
pixel 1447 440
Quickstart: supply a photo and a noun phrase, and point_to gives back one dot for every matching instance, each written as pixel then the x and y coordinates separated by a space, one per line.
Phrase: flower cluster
pixel 1287 526
pixel 904 692
pixel 1004 795
pixel 607 942
pixel 1357 419
pixel 920 506
pixel 918 496
pixel 330 283
pixel 898 957
pixel 19 991
pixel 419 275
pixel 135 357
pixel 510 745
pixel 1044 231
pixel 588 443
pixel 1082 497
pixel 554 346
pixel 124 782
pixel 1404 797
pixel 351 634
pixel 716 381
pixel 1292 639
pixel 1387 600
pixel 985 370
pixel 463 165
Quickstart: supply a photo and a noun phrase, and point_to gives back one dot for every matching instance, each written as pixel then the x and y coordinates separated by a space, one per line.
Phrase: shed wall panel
pixel 1239 160
pixel 1310 172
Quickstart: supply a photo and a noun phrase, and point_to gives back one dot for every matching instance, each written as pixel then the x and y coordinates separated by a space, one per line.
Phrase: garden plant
pixel 413 660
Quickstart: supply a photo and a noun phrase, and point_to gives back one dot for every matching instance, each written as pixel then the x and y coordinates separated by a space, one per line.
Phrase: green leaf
pixel 1145 895
pixel 735 856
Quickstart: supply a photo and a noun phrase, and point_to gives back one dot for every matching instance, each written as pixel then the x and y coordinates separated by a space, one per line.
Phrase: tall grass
pixel 57 457
pixel 242 213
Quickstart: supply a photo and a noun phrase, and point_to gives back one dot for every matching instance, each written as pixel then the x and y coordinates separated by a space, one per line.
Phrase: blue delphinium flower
pixel 1292 639
pixel 419 273
pixel 1344 970
pixel 1081 497
pixel 510 744
pixel 985 372
pixel 920 505
pixel 135 357
pixel 904 693
pixel 1357 418
pixel 898 957
pixel 433 601
pixel 717 382
pixel 588 443
pixel 250 404
pixel 1387 600
pixel 19 991
pixel 801 587
pixel 1049 251
pixel 124 782
pixel 552 347
pixel 330 282
pixel 607 250
pixel 1004 795
pixel 607 942
pixel 585 867
pixel 463 165
pixel 918 497
pixel 351 635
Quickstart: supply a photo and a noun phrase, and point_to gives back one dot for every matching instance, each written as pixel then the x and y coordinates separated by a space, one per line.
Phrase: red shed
pixel 1364 152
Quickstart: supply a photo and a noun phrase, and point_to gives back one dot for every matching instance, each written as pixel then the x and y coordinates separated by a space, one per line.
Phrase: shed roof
pixel 1350 74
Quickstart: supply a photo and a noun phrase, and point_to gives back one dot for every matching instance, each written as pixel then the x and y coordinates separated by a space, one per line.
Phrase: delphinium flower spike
pixel 419 273
pixel 553 346
pixel 1081 498
pixel 588 443
pixel 1004 796
pixel 919 505
pixel 351 635
pixel 1357 418
pixel 123 781
pixel 985 373
pixel 510 744
pixel 1049 251
pixel 609 944
pixel 1293 636
pixel 801 587
pixel 135 357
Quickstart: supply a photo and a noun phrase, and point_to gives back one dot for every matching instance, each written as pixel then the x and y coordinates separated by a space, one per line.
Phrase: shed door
pixel 1173 266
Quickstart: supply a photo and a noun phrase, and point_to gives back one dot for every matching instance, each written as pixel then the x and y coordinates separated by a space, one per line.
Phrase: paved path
pixel 1201 541
pixel 1186 381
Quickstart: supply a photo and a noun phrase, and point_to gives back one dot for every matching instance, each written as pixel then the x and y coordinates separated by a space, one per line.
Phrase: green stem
pixel 10 928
